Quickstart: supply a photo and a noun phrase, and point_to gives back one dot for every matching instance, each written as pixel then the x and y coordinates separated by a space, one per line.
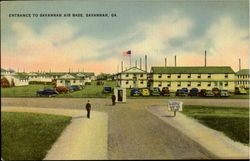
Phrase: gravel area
pixel 134 132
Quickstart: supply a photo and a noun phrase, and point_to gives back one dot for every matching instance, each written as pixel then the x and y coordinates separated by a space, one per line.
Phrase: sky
pixel 159 29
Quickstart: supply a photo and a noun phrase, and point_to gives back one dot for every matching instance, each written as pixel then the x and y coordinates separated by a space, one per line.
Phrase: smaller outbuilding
pixel 69 80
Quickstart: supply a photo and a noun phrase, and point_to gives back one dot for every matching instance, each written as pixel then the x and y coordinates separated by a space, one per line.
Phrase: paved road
pixel 133 132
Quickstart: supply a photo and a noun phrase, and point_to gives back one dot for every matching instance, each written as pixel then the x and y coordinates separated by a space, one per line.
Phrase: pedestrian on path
pixel 113 99
pixel 88 108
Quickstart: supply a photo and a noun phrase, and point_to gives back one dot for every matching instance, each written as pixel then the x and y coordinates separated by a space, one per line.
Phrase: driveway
pixel 134 132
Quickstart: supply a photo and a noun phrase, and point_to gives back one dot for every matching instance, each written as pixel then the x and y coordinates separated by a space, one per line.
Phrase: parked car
pixel 46 92
pixel 180 92
pixel 75 87
pixel 216 91
pixel 224 93
pixel 71 89
pixel 62 89
pixel 194 92
pixel 145 92
pixel 107 89
pixel 202 92
pixel 155 91
pixel 185 90
pixel 99 83
pixel 209 93
pixel 135 92
pixel 240 90
pixel 165 91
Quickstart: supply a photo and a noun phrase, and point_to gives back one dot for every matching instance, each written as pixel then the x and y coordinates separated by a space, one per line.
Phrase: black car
pixel 194 92
pixel 180 92
pixel 135 92
pixel 107 89
pixel 185 90
pixel 46 92
pixel 75 87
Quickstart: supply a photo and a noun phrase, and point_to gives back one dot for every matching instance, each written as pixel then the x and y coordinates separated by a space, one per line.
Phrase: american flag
pixel 127 53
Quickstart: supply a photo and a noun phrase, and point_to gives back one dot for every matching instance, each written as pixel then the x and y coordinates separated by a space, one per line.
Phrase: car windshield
pixel 107 88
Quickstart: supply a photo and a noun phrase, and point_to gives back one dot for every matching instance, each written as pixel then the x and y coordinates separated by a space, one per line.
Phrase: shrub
pixel 5 83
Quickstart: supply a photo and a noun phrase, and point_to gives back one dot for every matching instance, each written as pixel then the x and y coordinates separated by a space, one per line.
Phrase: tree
pixel 103 76
pixel 4 82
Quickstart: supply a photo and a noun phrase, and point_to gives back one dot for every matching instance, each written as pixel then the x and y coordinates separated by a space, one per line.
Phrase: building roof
pixel 7 70
pixel 20 75
pixel 133 70
pixel 243 72
pixel 69 76
pixel 193 70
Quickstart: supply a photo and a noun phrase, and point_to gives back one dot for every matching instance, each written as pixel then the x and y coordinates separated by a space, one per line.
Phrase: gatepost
pixel 175 106
pixel 120 94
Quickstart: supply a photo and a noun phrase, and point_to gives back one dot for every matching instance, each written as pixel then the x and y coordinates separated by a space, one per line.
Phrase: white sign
pixel 175 105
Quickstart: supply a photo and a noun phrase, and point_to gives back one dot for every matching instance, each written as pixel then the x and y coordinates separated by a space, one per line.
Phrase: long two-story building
pixel 199 77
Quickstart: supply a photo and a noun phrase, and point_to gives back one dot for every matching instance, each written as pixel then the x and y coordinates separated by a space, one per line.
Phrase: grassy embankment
pixel 29 136
pixel 232 121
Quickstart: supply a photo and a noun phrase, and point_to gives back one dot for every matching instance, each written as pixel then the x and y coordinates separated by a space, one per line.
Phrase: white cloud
pixel 57 44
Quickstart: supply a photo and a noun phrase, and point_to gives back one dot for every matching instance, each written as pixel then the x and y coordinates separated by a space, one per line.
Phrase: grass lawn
pixel 23 91
pixel 91 91
pixel 232 121
pixel 29 136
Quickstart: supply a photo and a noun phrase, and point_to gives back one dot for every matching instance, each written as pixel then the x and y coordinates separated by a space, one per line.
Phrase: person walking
pixel 113 99
pixel 88 108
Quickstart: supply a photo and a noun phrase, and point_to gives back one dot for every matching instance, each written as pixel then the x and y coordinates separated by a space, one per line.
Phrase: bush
pixel 5 83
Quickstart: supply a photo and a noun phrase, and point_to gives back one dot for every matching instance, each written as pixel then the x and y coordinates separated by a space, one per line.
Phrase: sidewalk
pixel 83 139
pixel 214 141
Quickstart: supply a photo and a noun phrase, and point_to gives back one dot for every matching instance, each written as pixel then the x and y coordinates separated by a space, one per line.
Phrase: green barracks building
pixel 200 77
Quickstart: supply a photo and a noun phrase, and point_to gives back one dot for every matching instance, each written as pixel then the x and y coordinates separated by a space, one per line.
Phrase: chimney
pixel 140 63
pixel 165 62
pixel 136 63
pixel 205 58
pixel 122 66
pixel 146 63
pixel 239 65
pixel 175 60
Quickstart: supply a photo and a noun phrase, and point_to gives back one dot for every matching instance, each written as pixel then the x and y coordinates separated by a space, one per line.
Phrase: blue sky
pixel 157 28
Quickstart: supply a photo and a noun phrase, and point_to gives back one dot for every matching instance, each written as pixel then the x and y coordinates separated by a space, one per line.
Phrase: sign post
pixel 175 106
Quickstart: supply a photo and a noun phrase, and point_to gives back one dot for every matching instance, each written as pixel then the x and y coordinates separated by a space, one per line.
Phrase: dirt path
pixel 214 141
pixel 82 139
